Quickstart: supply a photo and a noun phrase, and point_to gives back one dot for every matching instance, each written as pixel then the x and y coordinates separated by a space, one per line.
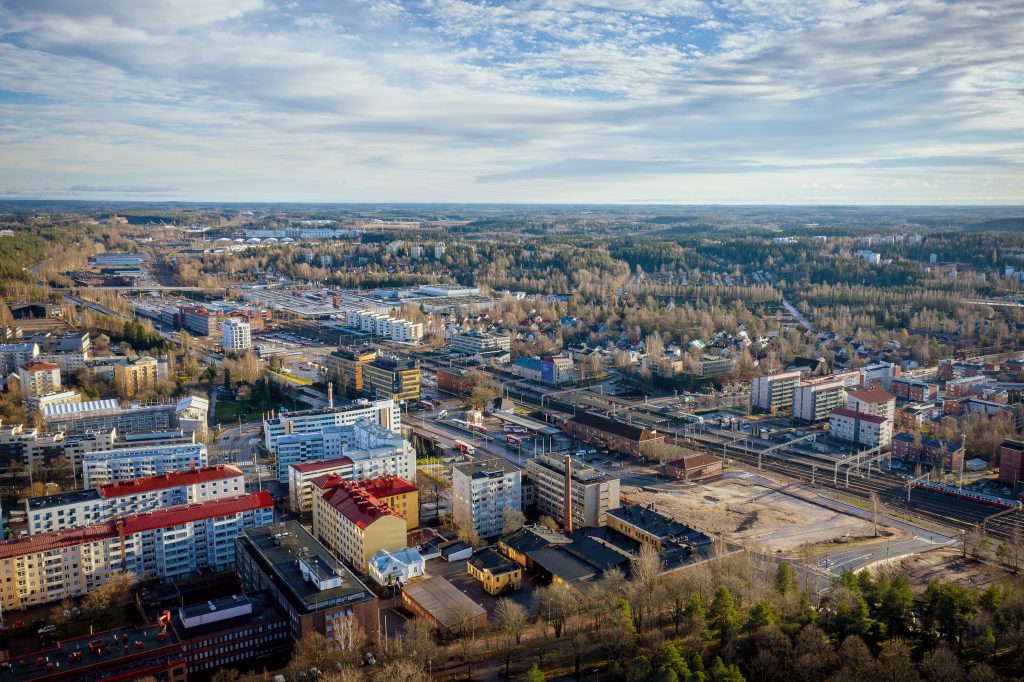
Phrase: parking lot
pixel 455 572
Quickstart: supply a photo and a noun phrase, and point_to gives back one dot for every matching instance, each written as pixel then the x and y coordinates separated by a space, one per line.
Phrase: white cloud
pixel 534 100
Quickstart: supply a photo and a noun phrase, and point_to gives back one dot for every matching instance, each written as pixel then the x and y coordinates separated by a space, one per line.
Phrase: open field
pixel 745 510
pixel 947 565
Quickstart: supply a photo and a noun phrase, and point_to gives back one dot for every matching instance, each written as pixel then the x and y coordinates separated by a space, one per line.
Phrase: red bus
pixel 465 447
pixel 426 405
pixel 513 440
pixel 477 428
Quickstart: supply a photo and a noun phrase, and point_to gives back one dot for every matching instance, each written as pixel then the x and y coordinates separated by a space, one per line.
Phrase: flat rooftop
pixel 126 648
pixel 279 546
pixel 61 499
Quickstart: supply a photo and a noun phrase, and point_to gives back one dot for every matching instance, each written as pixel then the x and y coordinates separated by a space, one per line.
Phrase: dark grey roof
pixel 616 428
pixel 61 499
pixel 558 562
pixel 491 560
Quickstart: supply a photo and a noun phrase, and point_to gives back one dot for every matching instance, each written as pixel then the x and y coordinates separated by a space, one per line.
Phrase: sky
pixel 532 101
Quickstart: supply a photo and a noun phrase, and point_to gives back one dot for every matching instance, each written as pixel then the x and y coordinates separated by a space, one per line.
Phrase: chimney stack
pixel 567 507
pixel 330 394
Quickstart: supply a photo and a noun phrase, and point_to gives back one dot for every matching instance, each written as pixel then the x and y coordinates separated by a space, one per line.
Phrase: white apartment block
pixel 168 544
pixel 64 510
pixel 773 393
pixel 374 451
pixel 382 412
pixel 31 444
pixel 481 491
pixel 878 375
pixel 813 401
pixel 474 343
pixel 301 475
pixel 382 324
pixel 872 401
pixel 38 377
pixel 858 427
pixel 37 403
pixel 68 361
pixel 128 463
pixel 236 334
pixel 136 496
pixel 592 494
pixel 13 355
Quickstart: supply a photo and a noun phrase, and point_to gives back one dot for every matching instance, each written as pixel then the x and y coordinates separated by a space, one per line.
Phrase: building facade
pixel 374 451
pixel 474 343
pixel 316 591
pixel 345 365
pixel 592 493
pixel 353 523
pixel 773 393
pixel 140 462
pixel 135 496
pixel 166 544
pixel 860 427
pixel 39 377
pixel 813 401
pixel 392 378
pixel 382 412
pixel 615 435
pixel 1011 463
pixel 236 334
pixel 481 491
pixel 133 377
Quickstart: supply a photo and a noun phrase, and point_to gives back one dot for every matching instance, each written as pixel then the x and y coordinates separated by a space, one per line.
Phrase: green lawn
pixel 291 378
pixel 228 411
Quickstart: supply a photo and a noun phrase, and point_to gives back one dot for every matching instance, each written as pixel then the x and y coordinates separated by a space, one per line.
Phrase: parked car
pixel 47 629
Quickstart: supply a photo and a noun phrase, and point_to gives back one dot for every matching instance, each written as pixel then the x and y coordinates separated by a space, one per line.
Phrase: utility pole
pixel 963 446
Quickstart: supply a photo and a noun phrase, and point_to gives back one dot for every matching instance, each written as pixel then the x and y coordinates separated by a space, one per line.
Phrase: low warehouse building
pixel 446 608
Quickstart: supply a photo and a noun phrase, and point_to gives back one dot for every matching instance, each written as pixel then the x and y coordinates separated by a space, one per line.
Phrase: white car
pixel 47 629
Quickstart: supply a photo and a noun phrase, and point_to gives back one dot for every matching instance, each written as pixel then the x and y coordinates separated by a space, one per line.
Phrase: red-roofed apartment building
pixel 357 519
pixel 166 544
pixel 39 377
pixel 867 418
pixel 858 427
pixel 134 496
pixel 301 475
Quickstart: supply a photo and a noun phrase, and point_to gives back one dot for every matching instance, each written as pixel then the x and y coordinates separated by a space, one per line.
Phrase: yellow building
pixel 135 376
pixel 354 523
pixel 397 493
pixel 496 572
pixel 394 378
pixel 346 366
pixel 647 526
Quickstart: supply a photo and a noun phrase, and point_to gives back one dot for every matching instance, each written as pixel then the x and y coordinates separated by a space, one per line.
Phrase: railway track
pixel 892 492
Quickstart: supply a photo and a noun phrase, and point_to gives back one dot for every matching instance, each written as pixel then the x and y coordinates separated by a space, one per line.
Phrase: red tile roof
pixel 40 366
pixel 353 501
pixel 872 395
pixel 43 542
pixel 172 480
pixel 388 486
pixel 175 516
pixel 854 414
pixel 137 523
pixel 322 464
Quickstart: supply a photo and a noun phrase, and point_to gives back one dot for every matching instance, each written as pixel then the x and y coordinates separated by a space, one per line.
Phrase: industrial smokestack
pixel 567 507
pixel 330 394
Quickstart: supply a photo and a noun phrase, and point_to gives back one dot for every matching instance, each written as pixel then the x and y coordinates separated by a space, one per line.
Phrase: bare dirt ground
pixel 946 565
pixel 746 511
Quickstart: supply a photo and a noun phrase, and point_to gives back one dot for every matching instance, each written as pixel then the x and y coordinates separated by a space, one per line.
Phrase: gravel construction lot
pixel 746 511
pixel 947 565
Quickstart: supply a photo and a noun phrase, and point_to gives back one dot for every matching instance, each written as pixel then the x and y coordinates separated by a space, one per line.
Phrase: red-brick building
pixel 694 467
pixel 1011 463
